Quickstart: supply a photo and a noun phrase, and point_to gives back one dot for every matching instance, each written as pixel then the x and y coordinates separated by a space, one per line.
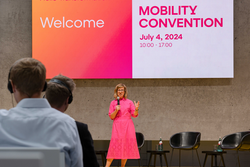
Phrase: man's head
pixel 27 78
pixel 59 92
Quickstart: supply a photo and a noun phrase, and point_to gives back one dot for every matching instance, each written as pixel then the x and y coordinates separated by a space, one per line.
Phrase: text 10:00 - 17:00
pixel 150 45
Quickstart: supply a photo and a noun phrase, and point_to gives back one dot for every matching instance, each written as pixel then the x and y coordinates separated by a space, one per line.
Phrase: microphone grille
pixel 118 97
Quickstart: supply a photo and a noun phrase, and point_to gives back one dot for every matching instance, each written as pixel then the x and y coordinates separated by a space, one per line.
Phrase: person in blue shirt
pixel 33 122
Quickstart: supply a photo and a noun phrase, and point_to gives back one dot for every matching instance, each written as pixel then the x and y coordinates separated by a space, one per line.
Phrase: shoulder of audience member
pixel 61 116
pixel 81 123
pixel 3 111
pixel 49 114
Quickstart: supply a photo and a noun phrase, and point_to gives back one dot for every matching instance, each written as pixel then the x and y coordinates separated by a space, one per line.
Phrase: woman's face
pixel 120 92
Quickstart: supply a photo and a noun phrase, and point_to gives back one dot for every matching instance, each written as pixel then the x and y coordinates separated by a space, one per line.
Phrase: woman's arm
pixel 136 112
pixel 113 114
pixel 135 108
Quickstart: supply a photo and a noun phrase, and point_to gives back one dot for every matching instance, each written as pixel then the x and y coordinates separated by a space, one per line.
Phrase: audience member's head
pixel 27 79
pixel 59 92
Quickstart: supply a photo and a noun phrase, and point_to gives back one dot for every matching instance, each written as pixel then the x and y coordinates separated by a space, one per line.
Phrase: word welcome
pixel 70 23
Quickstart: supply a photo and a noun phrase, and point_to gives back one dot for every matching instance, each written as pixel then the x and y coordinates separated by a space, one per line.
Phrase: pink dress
pixel 123 144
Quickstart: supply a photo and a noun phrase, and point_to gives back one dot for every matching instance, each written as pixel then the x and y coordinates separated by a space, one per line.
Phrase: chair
pixel 185 141
pixel 239 141
pixel 21 159
pixel 140 142
pixel 31 156
pixel 103 155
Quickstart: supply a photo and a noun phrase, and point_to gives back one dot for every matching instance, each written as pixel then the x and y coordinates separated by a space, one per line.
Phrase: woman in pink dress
pixel 123 144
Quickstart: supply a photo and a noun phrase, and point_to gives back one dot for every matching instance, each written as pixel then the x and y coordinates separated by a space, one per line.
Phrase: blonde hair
pixel 28 75
pixel 121 85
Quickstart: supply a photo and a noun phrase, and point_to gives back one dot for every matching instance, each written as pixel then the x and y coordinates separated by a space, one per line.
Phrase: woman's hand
pixel 136 108
pixel 113 114
pixel 137 105
pixel 117 108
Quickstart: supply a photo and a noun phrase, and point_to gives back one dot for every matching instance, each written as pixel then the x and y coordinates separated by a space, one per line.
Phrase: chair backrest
pixel 233 141
pixel 245 142
pixel 140 139
pixel 21 159
pixel 41 157
pixel 185 140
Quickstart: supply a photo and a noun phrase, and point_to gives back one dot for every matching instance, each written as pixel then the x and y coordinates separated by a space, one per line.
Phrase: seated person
pixel 59 95
pixel 33 123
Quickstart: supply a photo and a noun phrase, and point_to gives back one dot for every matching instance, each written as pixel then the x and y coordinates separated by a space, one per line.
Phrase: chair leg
pixel 103 159
pixel 179 157
pixel 198 158
pixel 192 158
pixel 140 157
pixel 118 164
pixel 238 158
pixel 171 157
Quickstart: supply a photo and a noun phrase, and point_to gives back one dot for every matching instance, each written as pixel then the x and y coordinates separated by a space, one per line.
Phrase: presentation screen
pixel 97 39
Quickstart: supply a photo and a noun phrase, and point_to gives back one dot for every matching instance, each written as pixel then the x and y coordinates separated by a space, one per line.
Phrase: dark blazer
pixel 89 156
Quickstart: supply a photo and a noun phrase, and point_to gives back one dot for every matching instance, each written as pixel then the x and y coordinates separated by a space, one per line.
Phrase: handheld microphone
pixel 118 101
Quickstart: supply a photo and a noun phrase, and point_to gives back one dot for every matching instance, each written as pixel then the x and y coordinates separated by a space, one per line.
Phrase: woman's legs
pixel 108 163
pixel 123 162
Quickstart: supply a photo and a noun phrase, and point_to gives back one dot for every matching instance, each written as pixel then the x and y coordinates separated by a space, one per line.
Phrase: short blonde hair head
pixel 121 85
